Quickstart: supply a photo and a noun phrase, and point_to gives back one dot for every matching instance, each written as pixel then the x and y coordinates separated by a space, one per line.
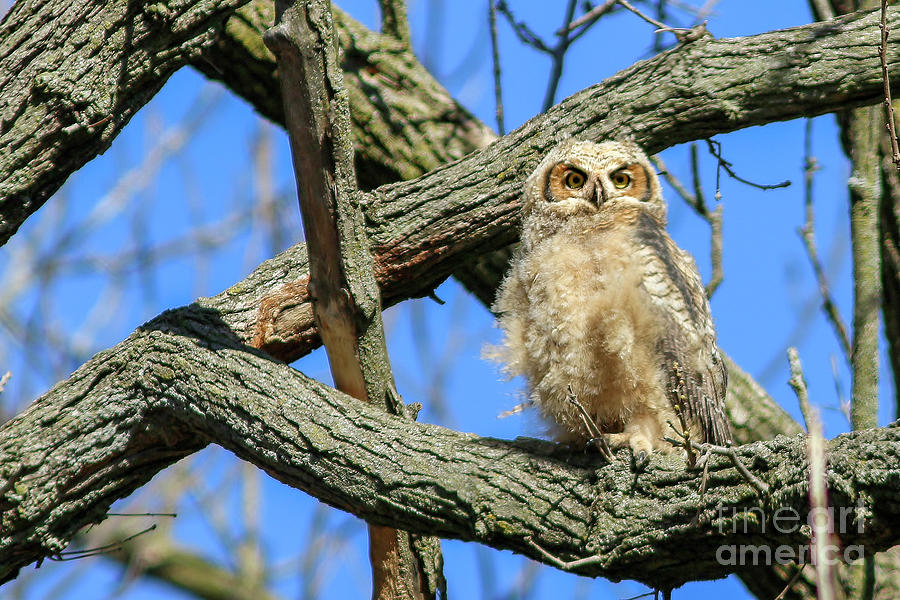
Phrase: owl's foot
pixel 638 442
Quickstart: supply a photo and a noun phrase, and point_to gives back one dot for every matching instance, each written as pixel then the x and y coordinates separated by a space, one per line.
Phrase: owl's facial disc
pixel 567 182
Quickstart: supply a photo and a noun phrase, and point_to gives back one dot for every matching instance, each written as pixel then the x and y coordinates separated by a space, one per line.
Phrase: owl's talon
pixel 601 445
pixel 640 459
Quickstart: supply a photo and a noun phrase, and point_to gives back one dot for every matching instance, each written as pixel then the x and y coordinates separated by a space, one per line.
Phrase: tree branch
pixel 346 300
pixel 172 388
pixel 863 129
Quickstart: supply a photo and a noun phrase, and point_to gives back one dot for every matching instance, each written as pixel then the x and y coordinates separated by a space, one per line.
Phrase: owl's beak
pixel 599 196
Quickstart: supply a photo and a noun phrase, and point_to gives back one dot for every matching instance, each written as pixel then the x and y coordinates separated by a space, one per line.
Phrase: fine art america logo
pixel 788 521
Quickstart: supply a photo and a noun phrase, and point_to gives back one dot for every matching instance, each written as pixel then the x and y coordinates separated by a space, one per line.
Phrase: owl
pixel 602 312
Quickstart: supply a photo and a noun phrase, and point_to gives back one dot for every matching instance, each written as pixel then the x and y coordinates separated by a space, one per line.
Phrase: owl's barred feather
pixel 600 301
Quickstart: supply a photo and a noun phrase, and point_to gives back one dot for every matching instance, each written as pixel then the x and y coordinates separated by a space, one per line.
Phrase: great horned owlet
pixel 601 305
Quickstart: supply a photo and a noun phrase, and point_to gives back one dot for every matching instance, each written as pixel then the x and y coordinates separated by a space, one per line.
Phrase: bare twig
pixel 761 486
pixel 820 518
pixel 660 25
pixel 495 55
pixel 561 564
pixel 697 201
pixel 791 583
pixel 715 148
pixel 597 436
pixel 661 15
pixel 557 52
pixel 798 384
pixel 807 234
pixel 888 105
pixel 78 554
pixel 683 35
pixel 589 18
pixel 525 34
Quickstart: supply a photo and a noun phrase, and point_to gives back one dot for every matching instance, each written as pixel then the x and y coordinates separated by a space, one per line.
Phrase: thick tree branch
pixel 73 74
pixel 177 385
pixel 346 298
pixel 864 128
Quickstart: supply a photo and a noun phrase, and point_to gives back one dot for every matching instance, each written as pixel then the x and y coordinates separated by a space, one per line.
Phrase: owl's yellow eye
pixel 574 180
pixel 621 179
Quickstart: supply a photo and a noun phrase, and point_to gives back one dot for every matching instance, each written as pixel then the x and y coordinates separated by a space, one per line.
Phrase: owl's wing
pixel 696 377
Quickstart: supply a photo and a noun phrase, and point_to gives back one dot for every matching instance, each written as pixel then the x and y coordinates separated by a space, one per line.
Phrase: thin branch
pixel 557 52
pixel 495 56
pixel 808 235
pixel 659 24
pixel 888 105
pixel 697 202
pixel 715 148
pixel 684 35
pixel 588 18
pixel 561 564
pixel 790 584
pixel 821 518
pixel 761 486
pixel 798 384
pixel 525 34
pixel 99 550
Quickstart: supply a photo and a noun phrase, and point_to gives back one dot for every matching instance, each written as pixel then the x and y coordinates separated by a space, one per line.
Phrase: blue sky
pixel 767 301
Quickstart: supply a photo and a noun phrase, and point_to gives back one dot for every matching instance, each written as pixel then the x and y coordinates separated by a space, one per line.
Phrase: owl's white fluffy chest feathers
pixel 589 325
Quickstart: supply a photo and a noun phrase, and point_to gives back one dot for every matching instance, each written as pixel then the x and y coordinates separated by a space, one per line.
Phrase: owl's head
pixel 579 178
